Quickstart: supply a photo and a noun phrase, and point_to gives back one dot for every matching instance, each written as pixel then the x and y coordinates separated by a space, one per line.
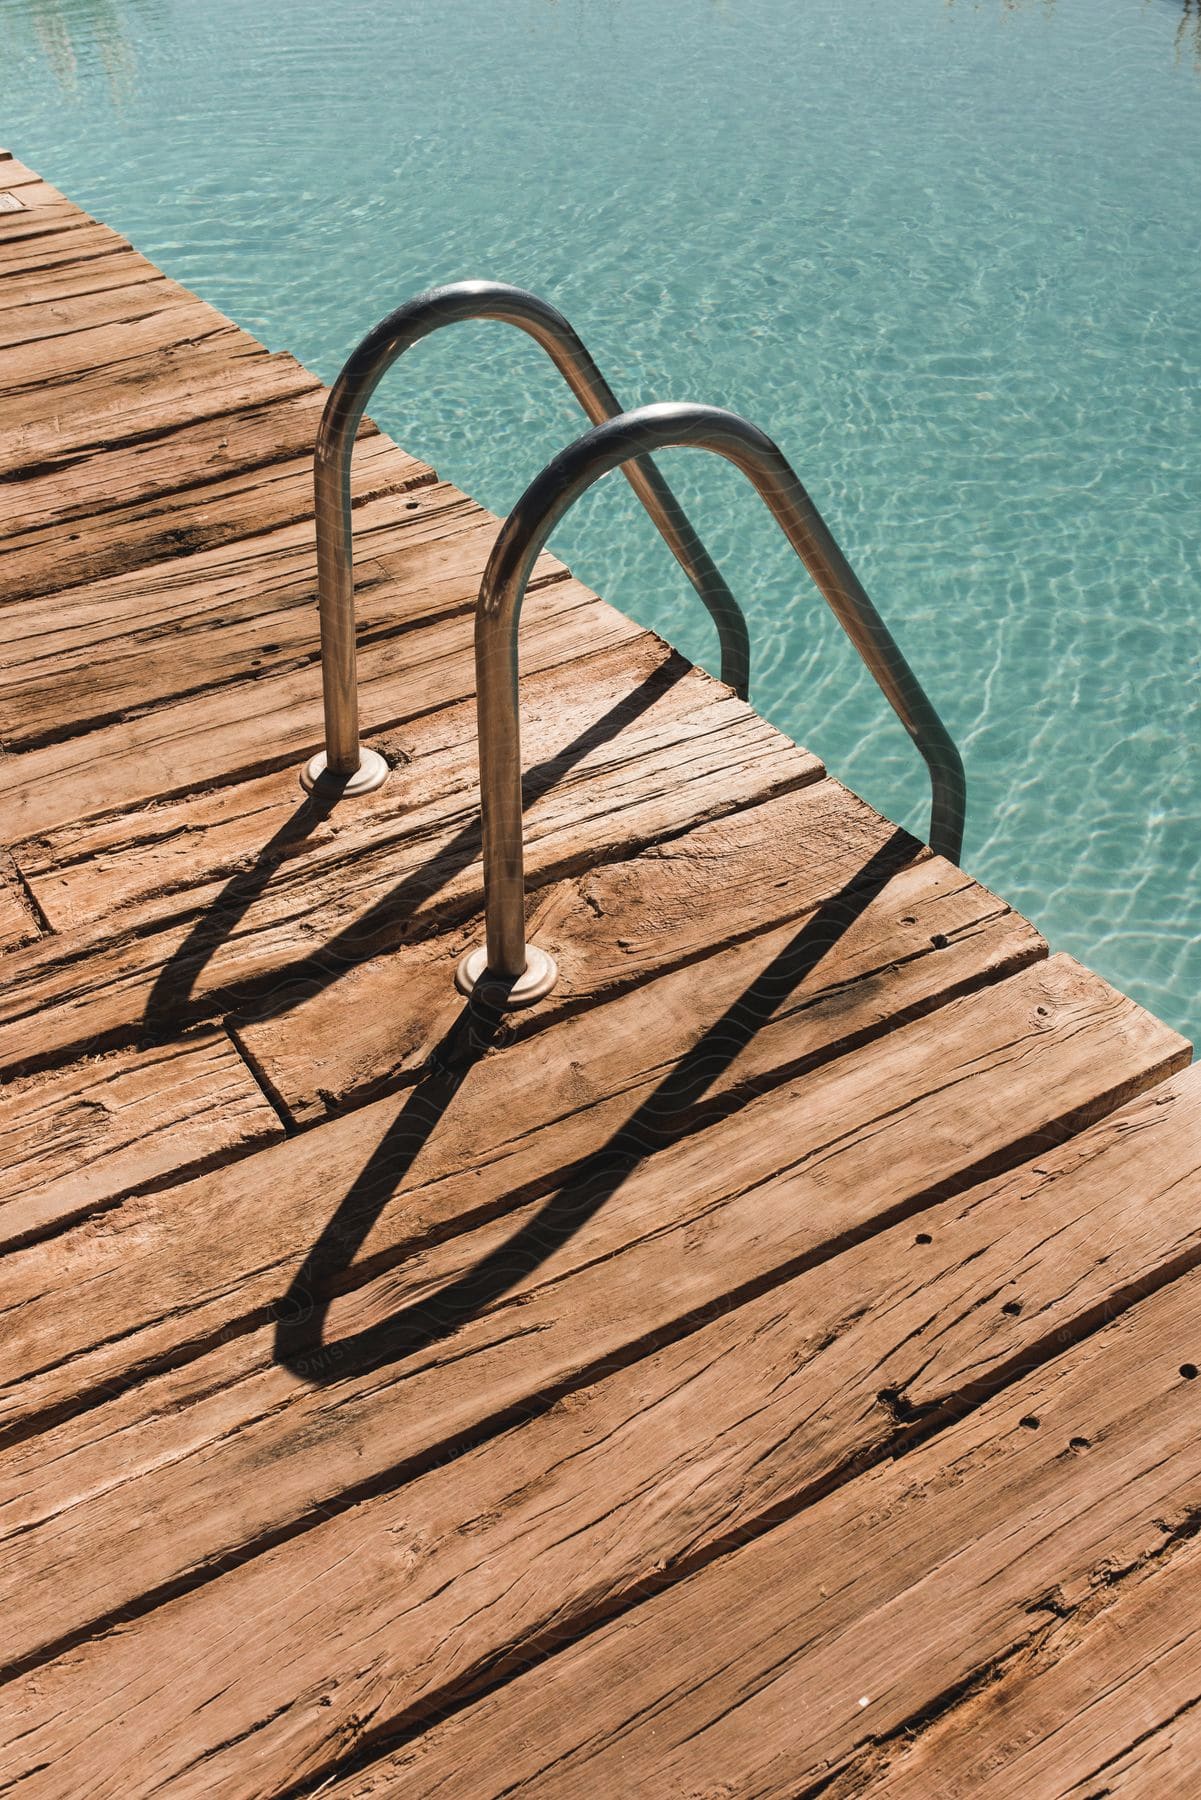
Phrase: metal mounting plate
pixel 541 973
pixel 371 773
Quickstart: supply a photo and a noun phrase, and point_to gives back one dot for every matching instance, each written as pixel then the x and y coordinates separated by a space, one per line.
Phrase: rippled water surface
pixel 946 253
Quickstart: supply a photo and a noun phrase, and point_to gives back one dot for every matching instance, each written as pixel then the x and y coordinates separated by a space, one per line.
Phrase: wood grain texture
pixel 60 316
pixel 28 300
pixel 236 613
pixel 78 1140
pixel 145 353
pixel 1106 1702
pixel 389 1612
pixel 18 921
pixel 166 860
pixel 618 926
pixel 40 216
pixel 161 393
pixel 765 868
pixel 17 173
pixel 166 323
pixel 460 1335
pixel 59 250
pixel 771 1669
pixel 246 474
pixel 307 892
pixel 1161 1766
pixel 790 1000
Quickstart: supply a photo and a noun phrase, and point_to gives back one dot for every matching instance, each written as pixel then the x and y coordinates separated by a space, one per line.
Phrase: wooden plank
pixel 455 1339
pixel 1161 1766
pixel 42 289
pixel 165 320
pixel 57 250
pixel 51 316
pixel 255 497
pixel 323 889
pixel 76 1141
pixel 621 924
pixel 225 477
pixel 18 175
pixel 172 861
pixel 1107 1703
pixel 770 1669
pixel 40 216
pixel 410 1600
pixel 143 397
pixel 85 488
pixel 225 1354
pixel 235 613
pixel 778 984
pixel 18 925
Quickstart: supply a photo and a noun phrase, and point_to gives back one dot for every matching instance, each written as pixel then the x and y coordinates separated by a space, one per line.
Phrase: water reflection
pixel 1046 7
pixel 1188 34
pixel 79 37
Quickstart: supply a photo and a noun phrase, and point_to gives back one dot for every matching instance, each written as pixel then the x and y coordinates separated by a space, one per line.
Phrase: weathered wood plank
pixel 41 290
pixel 612 1061
pixel 623 923
pixel 410 1600
pixel 174 857
pixel 654 756
pixel 1161 1766
pixel 766 1672
pixel 195 515
pixel 17 922
pixel 797 996
pixel 235 613
pixel 35 189
pixel 51 317
pixel 39 216
pixel 1105 1703
pixel 216 1362
pixel 144 397
pixel 17 173
pixel 457 1339
pixel 57 250
pixel 88 487
pixel 229 477
pixel 31 370
pixel 75 1141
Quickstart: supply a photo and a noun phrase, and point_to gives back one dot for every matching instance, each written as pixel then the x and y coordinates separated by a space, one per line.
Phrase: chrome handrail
pixel 521 973
pixel 359 773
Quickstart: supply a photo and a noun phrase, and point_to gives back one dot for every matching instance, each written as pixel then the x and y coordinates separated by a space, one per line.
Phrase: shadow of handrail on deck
pixel 171 1002
pixel 666 1115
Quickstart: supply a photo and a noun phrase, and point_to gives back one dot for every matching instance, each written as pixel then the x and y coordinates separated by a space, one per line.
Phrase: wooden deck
pixel 765 1368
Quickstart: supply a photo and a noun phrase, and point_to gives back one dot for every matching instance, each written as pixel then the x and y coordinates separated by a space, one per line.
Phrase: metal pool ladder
pixel 520 973
pixel 357 770
pixel 512 972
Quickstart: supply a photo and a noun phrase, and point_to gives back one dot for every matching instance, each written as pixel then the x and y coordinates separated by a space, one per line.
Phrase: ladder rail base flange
pixel 473 977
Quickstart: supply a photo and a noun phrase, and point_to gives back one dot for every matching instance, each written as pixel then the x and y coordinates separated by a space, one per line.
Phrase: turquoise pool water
pixel 945 251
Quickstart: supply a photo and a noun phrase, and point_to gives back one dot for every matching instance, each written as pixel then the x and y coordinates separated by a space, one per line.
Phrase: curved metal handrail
pixel 428 312
pixel 521 972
